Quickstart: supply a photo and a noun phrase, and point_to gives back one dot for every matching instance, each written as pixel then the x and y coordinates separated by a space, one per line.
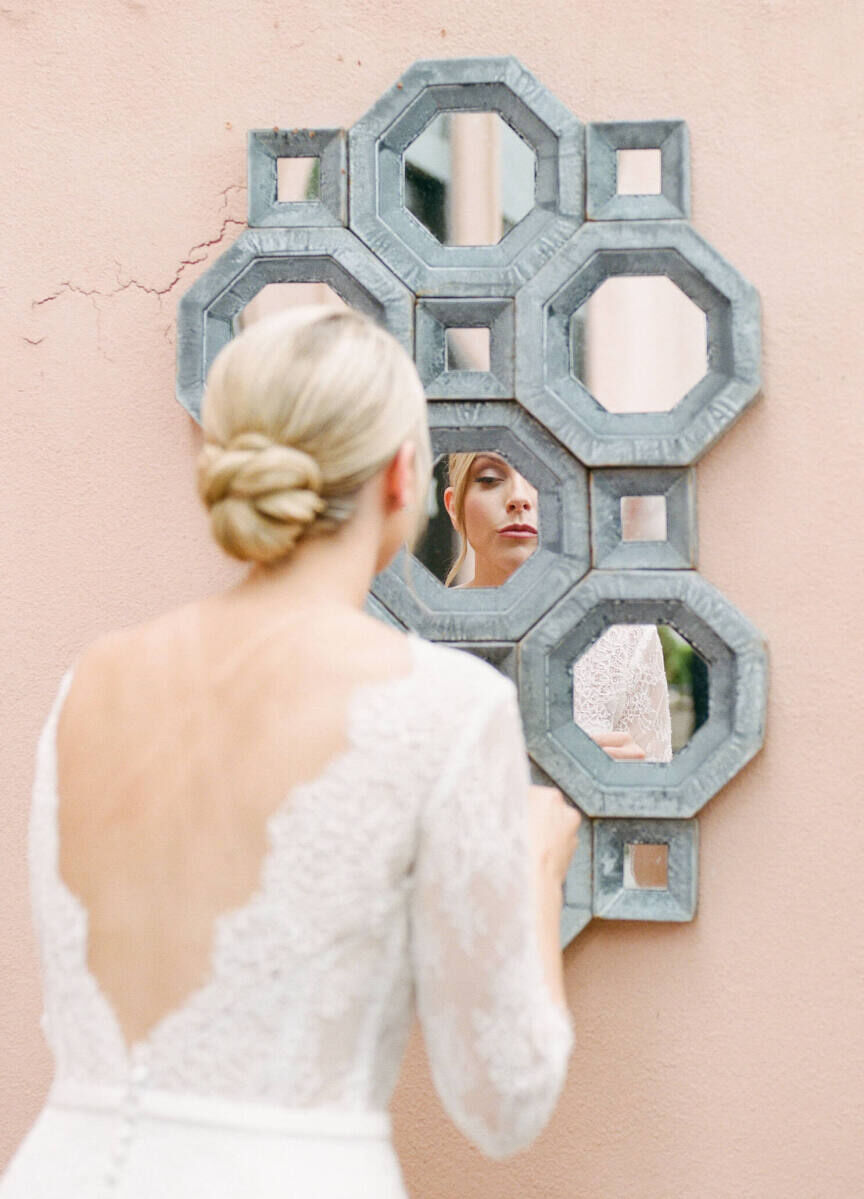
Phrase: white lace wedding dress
pixel 399 876
pixel 619 686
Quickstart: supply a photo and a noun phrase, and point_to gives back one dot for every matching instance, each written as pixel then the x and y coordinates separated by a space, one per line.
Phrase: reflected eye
pixel 487 479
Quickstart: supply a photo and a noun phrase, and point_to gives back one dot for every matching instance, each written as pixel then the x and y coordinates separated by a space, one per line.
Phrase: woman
pixel 494 510
pixel 263 822
pixel 620 696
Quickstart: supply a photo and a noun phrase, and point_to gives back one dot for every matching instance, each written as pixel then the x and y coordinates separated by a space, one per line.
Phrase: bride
pixel 266 828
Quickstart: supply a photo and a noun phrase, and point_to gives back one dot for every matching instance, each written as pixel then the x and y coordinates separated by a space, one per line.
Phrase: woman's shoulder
pixel 463 677
pixel 96 683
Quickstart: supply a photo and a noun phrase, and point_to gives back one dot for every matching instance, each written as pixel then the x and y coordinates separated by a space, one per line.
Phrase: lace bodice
pixel 619 686
pixel 399 875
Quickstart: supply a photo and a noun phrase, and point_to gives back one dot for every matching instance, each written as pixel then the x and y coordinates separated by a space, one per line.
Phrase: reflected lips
pixel 518 531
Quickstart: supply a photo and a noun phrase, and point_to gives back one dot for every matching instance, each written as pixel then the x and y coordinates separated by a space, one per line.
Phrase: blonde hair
pixel 301 409
pixel 458 471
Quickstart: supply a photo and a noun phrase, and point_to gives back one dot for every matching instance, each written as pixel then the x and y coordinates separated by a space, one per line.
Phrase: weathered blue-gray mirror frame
pixel 265 148
pixel 377 144
pixel 360 238
pixel 729 645
pixel 546 383
pixel 432 320
pixel 331 255
pixel 677 489
pixel 602 143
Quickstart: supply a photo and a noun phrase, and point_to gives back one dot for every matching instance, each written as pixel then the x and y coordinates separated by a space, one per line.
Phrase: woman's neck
pixel 487 575
pixel 328 570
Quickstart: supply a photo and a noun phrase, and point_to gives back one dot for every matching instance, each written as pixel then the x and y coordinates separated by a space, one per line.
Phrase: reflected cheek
pixel 481 522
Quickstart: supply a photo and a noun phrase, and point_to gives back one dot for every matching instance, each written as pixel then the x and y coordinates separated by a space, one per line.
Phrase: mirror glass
pixel 640 691
pixel 639 172
pixel 467 349
pixel 646 867
pixel 297 179
pixel 276 297
pixel 643 518
pixel 469 178
pixel 638 344
pixel 483 520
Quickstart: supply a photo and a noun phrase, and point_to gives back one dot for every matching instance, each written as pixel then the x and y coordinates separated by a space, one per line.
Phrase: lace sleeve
pixel 646 710
pixel 619 685
pixel 497 1041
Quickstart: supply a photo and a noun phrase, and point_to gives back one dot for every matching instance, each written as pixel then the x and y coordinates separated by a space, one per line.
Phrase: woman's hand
pixel 620 746
pixel 554 828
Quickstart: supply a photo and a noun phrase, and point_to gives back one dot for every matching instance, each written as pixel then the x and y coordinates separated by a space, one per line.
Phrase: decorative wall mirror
pixel 581 347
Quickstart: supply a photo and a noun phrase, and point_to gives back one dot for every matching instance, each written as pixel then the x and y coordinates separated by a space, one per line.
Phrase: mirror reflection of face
pixel 496 513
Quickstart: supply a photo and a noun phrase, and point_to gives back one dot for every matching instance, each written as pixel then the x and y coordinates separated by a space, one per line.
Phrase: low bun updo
pixel 301 409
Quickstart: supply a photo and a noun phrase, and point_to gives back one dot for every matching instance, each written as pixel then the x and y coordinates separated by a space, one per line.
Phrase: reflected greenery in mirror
pixel 298 178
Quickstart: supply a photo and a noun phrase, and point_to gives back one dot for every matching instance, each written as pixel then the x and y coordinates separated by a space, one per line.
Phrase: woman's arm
pixel 484 918
pixel 554 828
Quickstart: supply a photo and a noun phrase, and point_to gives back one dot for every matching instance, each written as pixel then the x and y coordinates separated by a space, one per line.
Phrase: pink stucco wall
pixel 718 1059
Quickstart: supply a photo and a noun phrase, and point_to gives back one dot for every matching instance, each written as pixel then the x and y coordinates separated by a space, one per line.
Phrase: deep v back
pixel 167 846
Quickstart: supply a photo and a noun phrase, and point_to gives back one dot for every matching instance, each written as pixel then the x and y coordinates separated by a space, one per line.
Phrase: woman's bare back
pixel 177 742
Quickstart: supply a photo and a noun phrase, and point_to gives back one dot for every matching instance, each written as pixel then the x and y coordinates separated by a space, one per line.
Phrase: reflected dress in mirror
pixel 619 686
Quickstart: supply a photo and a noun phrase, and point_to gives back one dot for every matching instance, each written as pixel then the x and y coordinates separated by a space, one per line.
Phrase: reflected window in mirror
pixel 469 178
pixel 276 297
pixel 638 344
pixel 640 691
pixel 483 520
pixel 298 178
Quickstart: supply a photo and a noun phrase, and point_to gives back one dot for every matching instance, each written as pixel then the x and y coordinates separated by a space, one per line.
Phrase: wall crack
pixel 197 254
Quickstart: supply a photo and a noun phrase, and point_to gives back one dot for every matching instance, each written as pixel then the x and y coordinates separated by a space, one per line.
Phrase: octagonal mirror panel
pixel 261 258
pixel 469 178
pixel 522 501
pixel 466 176
pixel 638 344
pixel 640 692
pixel 718 727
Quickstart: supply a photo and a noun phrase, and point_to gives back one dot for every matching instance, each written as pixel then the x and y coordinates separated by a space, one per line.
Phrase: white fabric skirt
pixel 94 1143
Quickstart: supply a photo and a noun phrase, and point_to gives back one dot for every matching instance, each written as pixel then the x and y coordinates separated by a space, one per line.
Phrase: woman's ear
pixel 449 505
pixel 400 477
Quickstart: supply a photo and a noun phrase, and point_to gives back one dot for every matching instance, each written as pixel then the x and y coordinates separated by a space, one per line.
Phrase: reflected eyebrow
pixel 484 461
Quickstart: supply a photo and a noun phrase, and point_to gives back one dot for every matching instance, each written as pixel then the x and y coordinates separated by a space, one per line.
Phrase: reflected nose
pixel 522 496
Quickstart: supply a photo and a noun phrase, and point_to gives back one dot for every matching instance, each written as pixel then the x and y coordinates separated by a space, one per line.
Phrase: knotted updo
pixel 301 409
